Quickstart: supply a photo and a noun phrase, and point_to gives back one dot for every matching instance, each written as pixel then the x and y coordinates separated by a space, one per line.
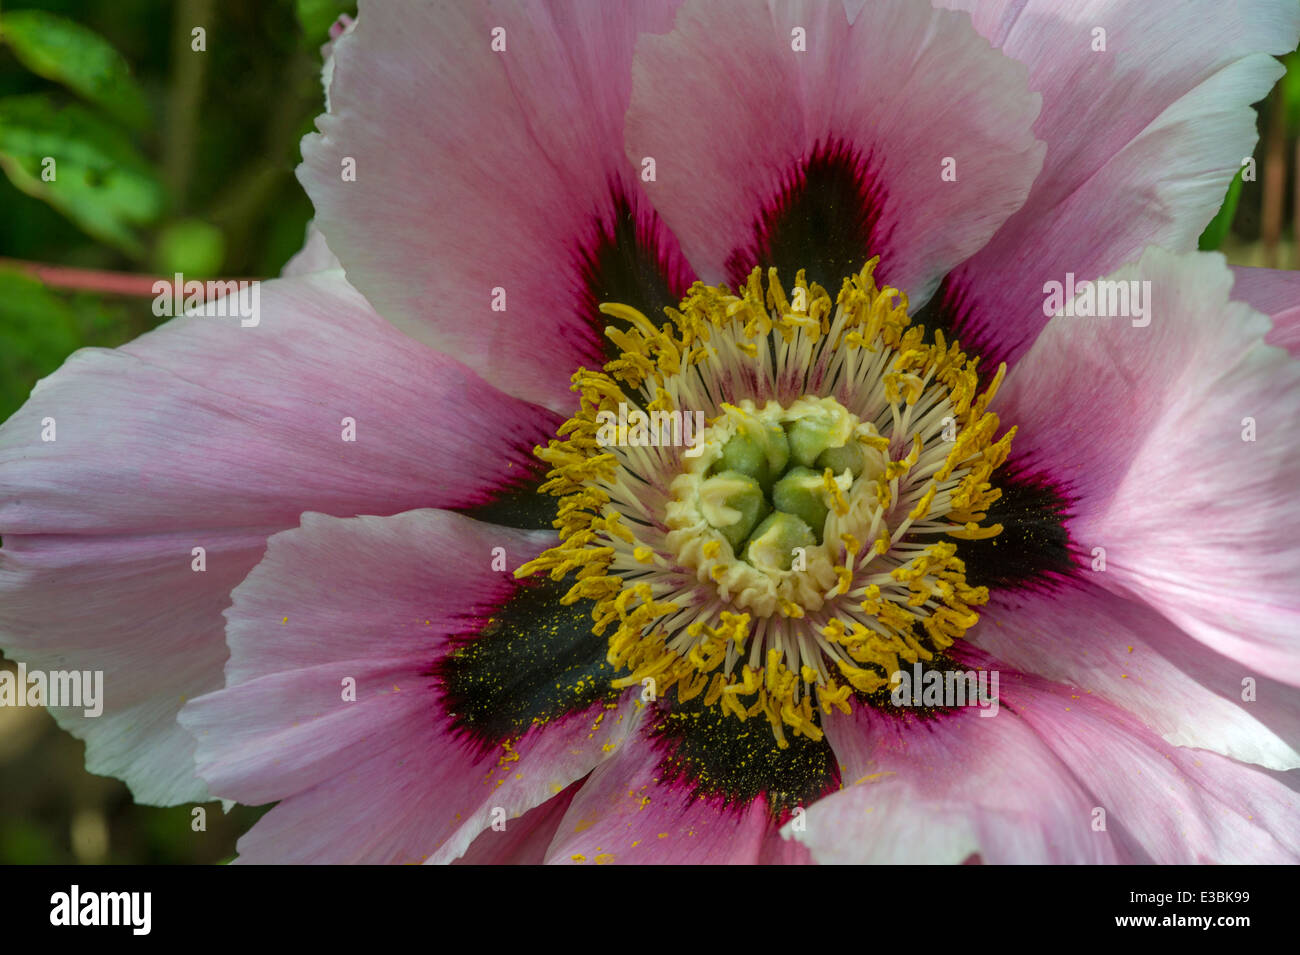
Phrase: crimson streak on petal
pixel 826 219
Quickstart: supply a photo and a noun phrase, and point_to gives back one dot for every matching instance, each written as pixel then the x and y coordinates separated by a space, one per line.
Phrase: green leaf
pixel 82 166
pixel 67 52
pixel 1289 93
pixel 37 331
pixel 1217 230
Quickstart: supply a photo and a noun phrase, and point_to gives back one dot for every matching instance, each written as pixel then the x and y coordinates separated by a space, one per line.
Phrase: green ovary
pixel 773 542
pixel 766 493
pixel 733 502
pixel 759 449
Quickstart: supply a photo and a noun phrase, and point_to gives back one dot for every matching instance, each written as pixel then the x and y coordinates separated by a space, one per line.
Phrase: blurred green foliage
pixel 1289 93
pixel 39 328
pixel 82 165
pixel 125 149
pixel 67 52
pixel 165 159
pixel 1217 230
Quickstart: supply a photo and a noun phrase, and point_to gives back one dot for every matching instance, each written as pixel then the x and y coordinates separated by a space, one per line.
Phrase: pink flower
pixel 724 679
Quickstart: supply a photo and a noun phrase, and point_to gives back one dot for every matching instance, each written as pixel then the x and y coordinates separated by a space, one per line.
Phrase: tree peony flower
pixel 946 517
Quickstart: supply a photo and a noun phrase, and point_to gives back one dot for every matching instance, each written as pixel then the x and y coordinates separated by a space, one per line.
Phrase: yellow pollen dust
pixel 761 497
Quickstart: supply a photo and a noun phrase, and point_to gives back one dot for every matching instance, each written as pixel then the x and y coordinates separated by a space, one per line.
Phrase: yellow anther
pixel 879 605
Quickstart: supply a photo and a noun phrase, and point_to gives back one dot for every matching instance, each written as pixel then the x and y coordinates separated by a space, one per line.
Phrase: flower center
pixel 759 510
pixel 797 551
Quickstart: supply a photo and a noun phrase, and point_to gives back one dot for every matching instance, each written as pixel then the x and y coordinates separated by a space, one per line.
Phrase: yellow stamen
pixel 635 542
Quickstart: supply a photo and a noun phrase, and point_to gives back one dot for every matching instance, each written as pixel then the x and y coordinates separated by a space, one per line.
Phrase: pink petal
pixel 207 434
pixel 132 608
pixel 1145 425
pixel 938 790
pixel 344 24
pixel 779 850
pixel 730 111
pixel 1142 140
pixel 478 170
pixel 1276 293
pixel 373 599
pixel 1127 654
pixel 1026 785
pixel 524 840
pixel 314 256
pixel 1177 806
pixel 624 815
pixel 203 423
